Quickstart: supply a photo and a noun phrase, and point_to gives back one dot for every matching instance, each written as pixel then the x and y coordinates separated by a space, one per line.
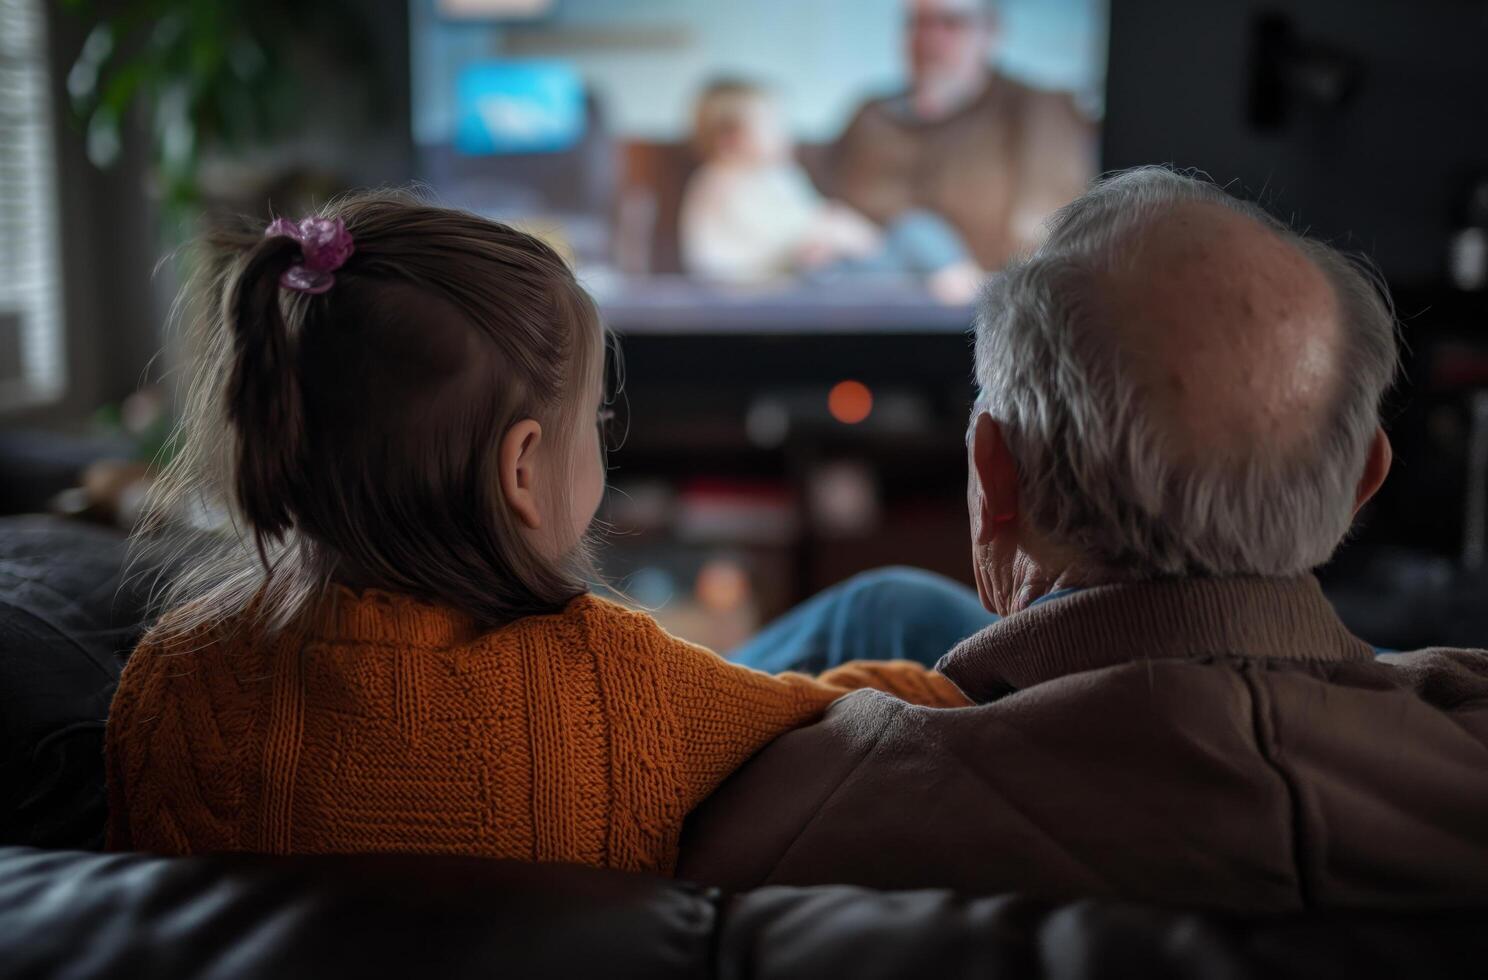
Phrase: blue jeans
pixel 888 614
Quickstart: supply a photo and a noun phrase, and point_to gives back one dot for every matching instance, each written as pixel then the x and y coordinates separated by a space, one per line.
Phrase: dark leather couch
pixel 88 915
pixel 67 620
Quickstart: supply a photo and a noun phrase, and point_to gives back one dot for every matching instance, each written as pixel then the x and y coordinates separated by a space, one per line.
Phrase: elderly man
pixel 1178 420
pixel 986 153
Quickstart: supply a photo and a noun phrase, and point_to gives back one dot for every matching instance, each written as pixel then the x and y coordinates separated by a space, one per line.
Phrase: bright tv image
pixel 772 166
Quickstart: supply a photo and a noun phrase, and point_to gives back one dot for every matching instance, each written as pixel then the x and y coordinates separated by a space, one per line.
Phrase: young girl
pixel 398 406
pixel 750 213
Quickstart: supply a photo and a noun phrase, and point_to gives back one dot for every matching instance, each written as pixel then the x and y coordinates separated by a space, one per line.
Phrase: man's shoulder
pixel 818 755
pixel 1446 677
pixel 739 834
pixel 1006 95
pixel 889 108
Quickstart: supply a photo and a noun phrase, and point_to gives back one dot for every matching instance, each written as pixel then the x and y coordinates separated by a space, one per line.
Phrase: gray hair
pixel 1097 473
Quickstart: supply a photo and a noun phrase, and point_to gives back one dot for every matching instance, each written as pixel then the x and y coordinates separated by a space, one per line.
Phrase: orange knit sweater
pixel 383 724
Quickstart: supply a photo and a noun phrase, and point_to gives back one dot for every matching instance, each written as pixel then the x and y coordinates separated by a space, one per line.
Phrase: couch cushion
pixel 117 915
pixel 67 620
pixel 789 933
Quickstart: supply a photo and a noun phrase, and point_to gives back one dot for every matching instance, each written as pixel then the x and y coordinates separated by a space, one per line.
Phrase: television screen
pixel 772 166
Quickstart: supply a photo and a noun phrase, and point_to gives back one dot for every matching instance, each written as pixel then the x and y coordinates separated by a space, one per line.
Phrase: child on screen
pixel 750 214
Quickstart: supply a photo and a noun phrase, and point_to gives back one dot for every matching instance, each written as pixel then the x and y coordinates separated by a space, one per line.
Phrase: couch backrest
pixel 68 619
pixel 90 915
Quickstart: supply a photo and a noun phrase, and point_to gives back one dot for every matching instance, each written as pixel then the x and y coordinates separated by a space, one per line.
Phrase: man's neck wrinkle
pixel 1037 584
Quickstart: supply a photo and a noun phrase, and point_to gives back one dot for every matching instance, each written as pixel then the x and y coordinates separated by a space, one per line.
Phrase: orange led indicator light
pixel 850 402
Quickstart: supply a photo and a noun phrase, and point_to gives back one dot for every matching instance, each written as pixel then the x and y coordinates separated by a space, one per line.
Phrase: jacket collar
pixel 1261 618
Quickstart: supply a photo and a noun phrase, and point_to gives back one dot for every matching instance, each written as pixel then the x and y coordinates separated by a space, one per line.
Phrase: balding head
pixel 1232 335
pixel 1187 386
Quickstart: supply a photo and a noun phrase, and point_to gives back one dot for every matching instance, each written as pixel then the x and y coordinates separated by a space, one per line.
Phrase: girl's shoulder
pixel 599 614
pixel 617 629
pixel 189 661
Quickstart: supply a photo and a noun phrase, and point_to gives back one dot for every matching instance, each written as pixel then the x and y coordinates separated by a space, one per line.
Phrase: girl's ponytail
pixel 264 401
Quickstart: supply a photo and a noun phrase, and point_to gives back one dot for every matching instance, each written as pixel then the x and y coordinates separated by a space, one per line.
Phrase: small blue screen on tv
pixel 518 107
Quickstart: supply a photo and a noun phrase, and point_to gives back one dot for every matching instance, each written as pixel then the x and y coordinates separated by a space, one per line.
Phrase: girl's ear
pixel 517 461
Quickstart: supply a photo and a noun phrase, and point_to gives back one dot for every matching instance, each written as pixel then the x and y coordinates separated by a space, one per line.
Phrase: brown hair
pixel 719 112
pixel 352 435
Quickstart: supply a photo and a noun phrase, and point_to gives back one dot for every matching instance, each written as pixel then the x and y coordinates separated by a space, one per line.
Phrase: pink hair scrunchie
pixel 325 245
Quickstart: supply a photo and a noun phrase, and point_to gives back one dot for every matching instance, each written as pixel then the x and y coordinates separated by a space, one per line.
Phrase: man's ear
pixel 517 460
pixel 996 475
pixel 1376 468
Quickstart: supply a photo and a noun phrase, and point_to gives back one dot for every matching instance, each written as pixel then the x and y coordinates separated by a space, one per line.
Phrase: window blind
pixel 32 365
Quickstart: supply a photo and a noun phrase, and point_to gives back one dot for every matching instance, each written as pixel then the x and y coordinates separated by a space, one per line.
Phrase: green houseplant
pixel 208 80
pixel 209 76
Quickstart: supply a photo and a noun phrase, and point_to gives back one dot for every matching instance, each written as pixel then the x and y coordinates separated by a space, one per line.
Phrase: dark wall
pixel 1382 174
pixel 118 282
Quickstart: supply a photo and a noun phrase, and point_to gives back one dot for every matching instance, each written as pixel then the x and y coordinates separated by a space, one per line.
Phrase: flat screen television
pixel 773 167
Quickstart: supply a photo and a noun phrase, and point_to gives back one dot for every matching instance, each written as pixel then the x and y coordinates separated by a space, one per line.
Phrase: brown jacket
pixel 994 169
pixel 1214 743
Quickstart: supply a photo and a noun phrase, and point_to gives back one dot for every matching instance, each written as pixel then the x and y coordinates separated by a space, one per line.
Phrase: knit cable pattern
pixel 385 724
